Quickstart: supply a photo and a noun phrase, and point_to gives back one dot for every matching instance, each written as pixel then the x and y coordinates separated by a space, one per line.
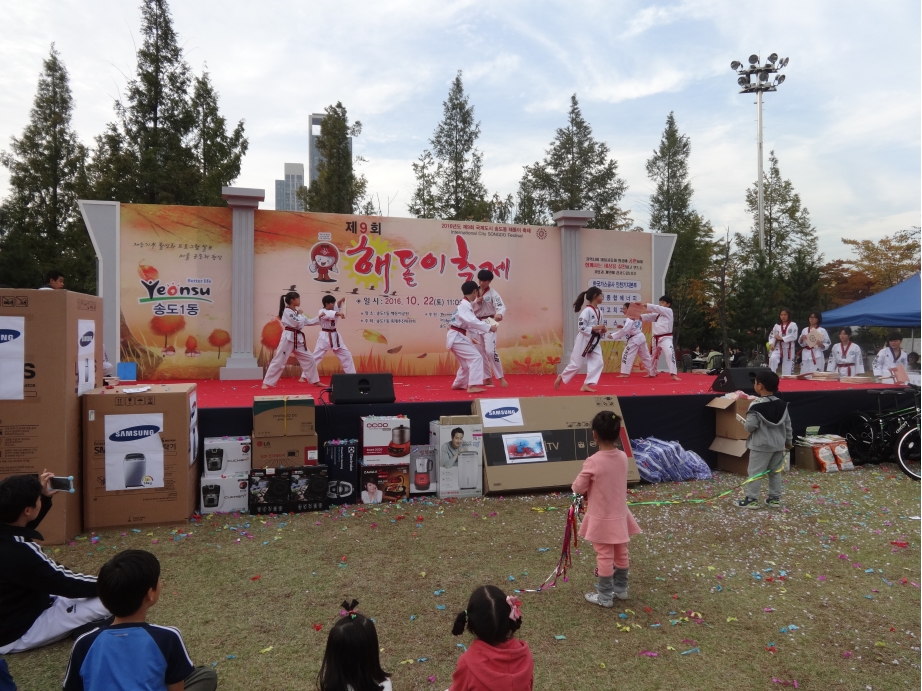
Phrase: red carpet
pixel 232 394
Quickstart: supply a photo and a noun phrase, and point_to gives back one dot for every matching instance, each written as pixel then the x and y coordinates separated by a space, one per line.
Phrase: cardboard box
pixel 140 449
pixel 285 452
pixel 458 440
pixel 342 461
pixel 563 427
pixel 725 412
pixel 424 469
pixel 382 484
pixel 805 460
pixel 270 490
pixel 283 416
pixel 56 356
pixel 226 456
pixel 732 455
pixel 385 440
pixel 309 489
pixel 225 493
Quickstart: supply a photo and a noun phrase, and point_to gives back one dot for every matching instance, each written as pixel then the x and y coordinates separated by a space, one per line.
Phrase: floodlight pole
pixel 761 197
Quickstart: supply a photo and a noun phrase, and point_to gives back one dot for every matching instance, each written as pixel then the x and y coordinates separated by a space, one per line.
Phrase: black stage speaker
pixel 736 379
pixel 362 388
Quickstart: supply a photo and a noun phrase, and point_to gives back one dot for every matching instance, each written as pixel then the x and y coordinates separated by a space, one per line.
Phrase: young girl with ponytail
pixel 495 660
pixel 292 342
pixel 586 348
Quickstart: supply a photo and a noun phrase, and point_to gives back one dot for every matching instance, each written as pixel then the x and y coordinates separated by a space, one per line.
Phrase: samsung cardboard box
pixel 50 354
pixel 281 416
pixel 308 489
pixel 385 440
pixel 382 484
pixel 725 412
pixel 541 443
pixel 342 461
pixel 225 493
pixel 270 490
pixel 140 452
pixel 458 440
pixel 285 452
pixel 424 461
pixel 226 456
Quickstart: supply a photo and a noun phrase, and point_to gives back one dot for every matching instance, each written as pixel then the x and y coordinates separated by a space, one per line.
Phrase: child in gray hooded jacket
pixel 769 427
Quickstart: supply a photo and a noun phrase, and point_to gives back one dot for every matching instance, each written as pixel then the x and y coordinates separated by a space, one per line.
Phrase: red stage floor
pixel 231 394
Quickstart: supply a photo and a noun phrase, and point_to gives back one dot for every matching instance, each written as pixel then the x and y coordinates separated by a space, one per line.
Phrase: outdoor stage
pixel 661 407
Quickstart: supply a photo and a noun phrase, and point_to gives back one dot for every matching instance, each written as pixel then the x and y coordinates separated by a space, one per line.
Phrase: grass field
pixel 840 562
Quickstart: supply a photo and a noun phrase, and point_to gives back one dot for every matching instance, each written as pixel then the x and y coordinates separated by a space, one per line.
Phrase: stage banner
pixel 401 279
pixel 175 277
pixel 621 265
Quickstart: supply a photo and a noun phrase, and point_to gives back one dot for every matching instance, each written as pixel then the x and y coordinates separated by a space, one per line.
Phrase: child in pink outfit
pixel 608 523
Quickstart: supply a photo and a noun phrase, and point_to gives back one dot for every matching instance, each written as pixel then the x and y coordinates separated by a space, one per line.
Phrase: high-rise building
pixel 286 198
pixel 314 156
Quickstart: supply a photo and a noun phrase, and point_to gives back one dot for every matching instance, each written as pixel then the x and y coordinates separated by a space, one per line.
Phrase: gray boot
pixel 619 588
pixel 603 595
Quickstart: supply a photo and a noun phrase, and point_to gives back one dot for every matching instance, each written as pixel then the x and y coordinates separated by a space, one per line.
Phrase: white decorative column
pixel 242 363
pixel 571 272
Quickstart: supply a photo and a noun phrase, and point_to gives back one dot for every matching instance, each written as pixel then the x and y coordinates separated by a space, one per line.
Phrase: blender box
pixel 342 461
pixel 423 461
pixel 285 452
pixel 270 490
pixel 226 456
pixel 309 489
pixel 385 440
pixel 50 354
pixel 283 416
pixel 225 493
pixel 458 440
pixel 382 484
pixel 140 453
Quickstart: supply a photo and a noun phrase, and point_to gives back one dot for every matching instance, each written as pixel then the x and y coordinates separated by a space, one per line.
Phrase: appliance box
pixel 280 416
pixel 270 490
pixel 385 440
pixel 423 469
pixel 342 461
pixel 225 493
pixel 226 456
pixel 458 441
pixel 384 484
pixel 309 489
pixel 285 452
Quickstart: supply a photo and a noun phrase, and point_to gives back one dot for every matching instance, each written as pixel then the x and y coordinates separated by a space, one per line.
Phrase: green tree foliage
pixel 576 173
pixel 528 208
pixel 448 176
pixel 218 155
pixel 337 189
pixel 40 224
pixel 753 304
pixel 803 287
pixel 670 204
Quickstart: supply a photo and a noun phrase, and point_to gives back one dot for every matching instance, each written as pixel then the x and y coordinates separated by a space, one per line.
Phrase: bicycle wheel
pixel 907 453
pixel 860 437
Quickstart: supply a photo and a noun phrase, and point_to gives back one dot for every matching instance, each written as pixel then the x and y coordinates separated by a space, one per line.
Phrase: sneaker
pixel 773 502
pixel 748 503
pixel 595 599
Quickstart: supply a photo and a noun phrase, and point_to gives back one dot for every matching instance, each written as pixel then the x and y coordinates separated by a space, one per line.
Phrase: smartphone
pixel 63 484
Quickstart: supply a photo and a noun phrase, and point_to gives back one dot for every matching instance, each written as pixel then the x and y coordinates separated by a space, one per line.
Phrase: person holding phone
pixel 41 601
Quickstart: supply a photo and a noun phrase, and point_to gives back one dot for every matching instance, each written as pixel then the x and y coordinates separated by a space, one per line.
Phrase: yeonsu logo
pixel 501 413
pixel 86 339
pixel 133 433
pixel 7 335
pixel 158 292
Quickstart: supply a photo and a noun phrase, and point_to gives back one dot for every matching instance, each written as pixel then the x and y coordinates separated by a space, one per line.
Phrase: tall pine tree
pixel 448 175
pixel 218 155
pixel 337 189
pixel 576 173
pixel 670 203
pixel 40 225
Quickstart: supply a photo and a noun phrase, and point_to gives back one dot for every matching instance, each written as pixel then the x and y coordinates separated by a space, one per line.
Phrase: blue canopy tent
pixel 896 306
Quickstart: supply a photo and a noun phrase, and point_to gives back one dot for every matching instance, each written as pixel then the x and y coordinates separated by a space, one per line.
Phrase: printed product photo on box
pixel 309 489
pixel 225 494
pixel 134 451
pixel 384 484
pixel 423 472
pixel 342 461
pixel 385 440
pixel 285 452
pixel 12 358
pixel 270 490
pixel 459 443
pixel 283 416
pixel 226 456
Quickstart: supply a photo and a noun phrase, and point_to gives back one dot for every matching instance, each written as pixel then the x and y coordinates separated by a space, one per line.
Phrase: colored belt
pixel 656 338
pixel 461 331
pixel 297 332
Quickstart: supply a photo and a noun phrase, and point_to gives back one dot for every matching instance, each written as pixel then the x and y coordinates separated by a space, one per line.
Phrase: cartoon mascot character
pixel 324 258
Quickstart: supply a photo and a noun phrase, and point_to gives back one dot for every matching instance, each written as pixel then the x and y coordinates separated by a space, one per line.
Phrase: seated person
pixel 130 653
pixel 713 358
pixel 913 360
pixel 40 601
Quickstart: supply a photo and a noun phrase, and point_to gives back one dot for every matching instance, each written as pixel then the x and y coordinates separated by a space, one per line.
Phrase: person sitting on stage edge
pixel 132 654
pixel 40 601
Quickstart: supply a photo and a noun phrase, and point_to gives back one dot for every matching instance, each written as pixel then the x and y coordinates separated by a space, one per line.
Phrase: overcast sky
pixel 845 125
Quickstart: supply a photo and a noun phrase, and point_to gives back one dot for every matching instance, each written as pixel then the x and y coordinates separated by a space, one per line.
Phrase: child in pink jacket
pixel 608 524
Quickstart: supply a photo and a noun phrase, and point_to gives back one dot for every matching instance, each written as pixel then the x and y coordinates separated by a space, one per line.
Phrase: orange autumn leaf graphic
pixel 373 336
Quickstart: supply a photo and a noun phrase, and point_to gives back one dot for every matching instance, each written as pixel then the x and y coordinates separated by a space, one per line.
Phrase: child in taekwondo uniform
pixel 845 356
pixel 463 327
pixel 636 345
pixel 329 338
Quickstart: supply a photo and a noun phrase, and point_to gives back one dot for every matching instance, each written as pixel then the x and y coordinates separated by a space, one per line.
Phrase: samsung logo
pixel 86 339
pixel 500 413
pixel 7 335
pixel 132 433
